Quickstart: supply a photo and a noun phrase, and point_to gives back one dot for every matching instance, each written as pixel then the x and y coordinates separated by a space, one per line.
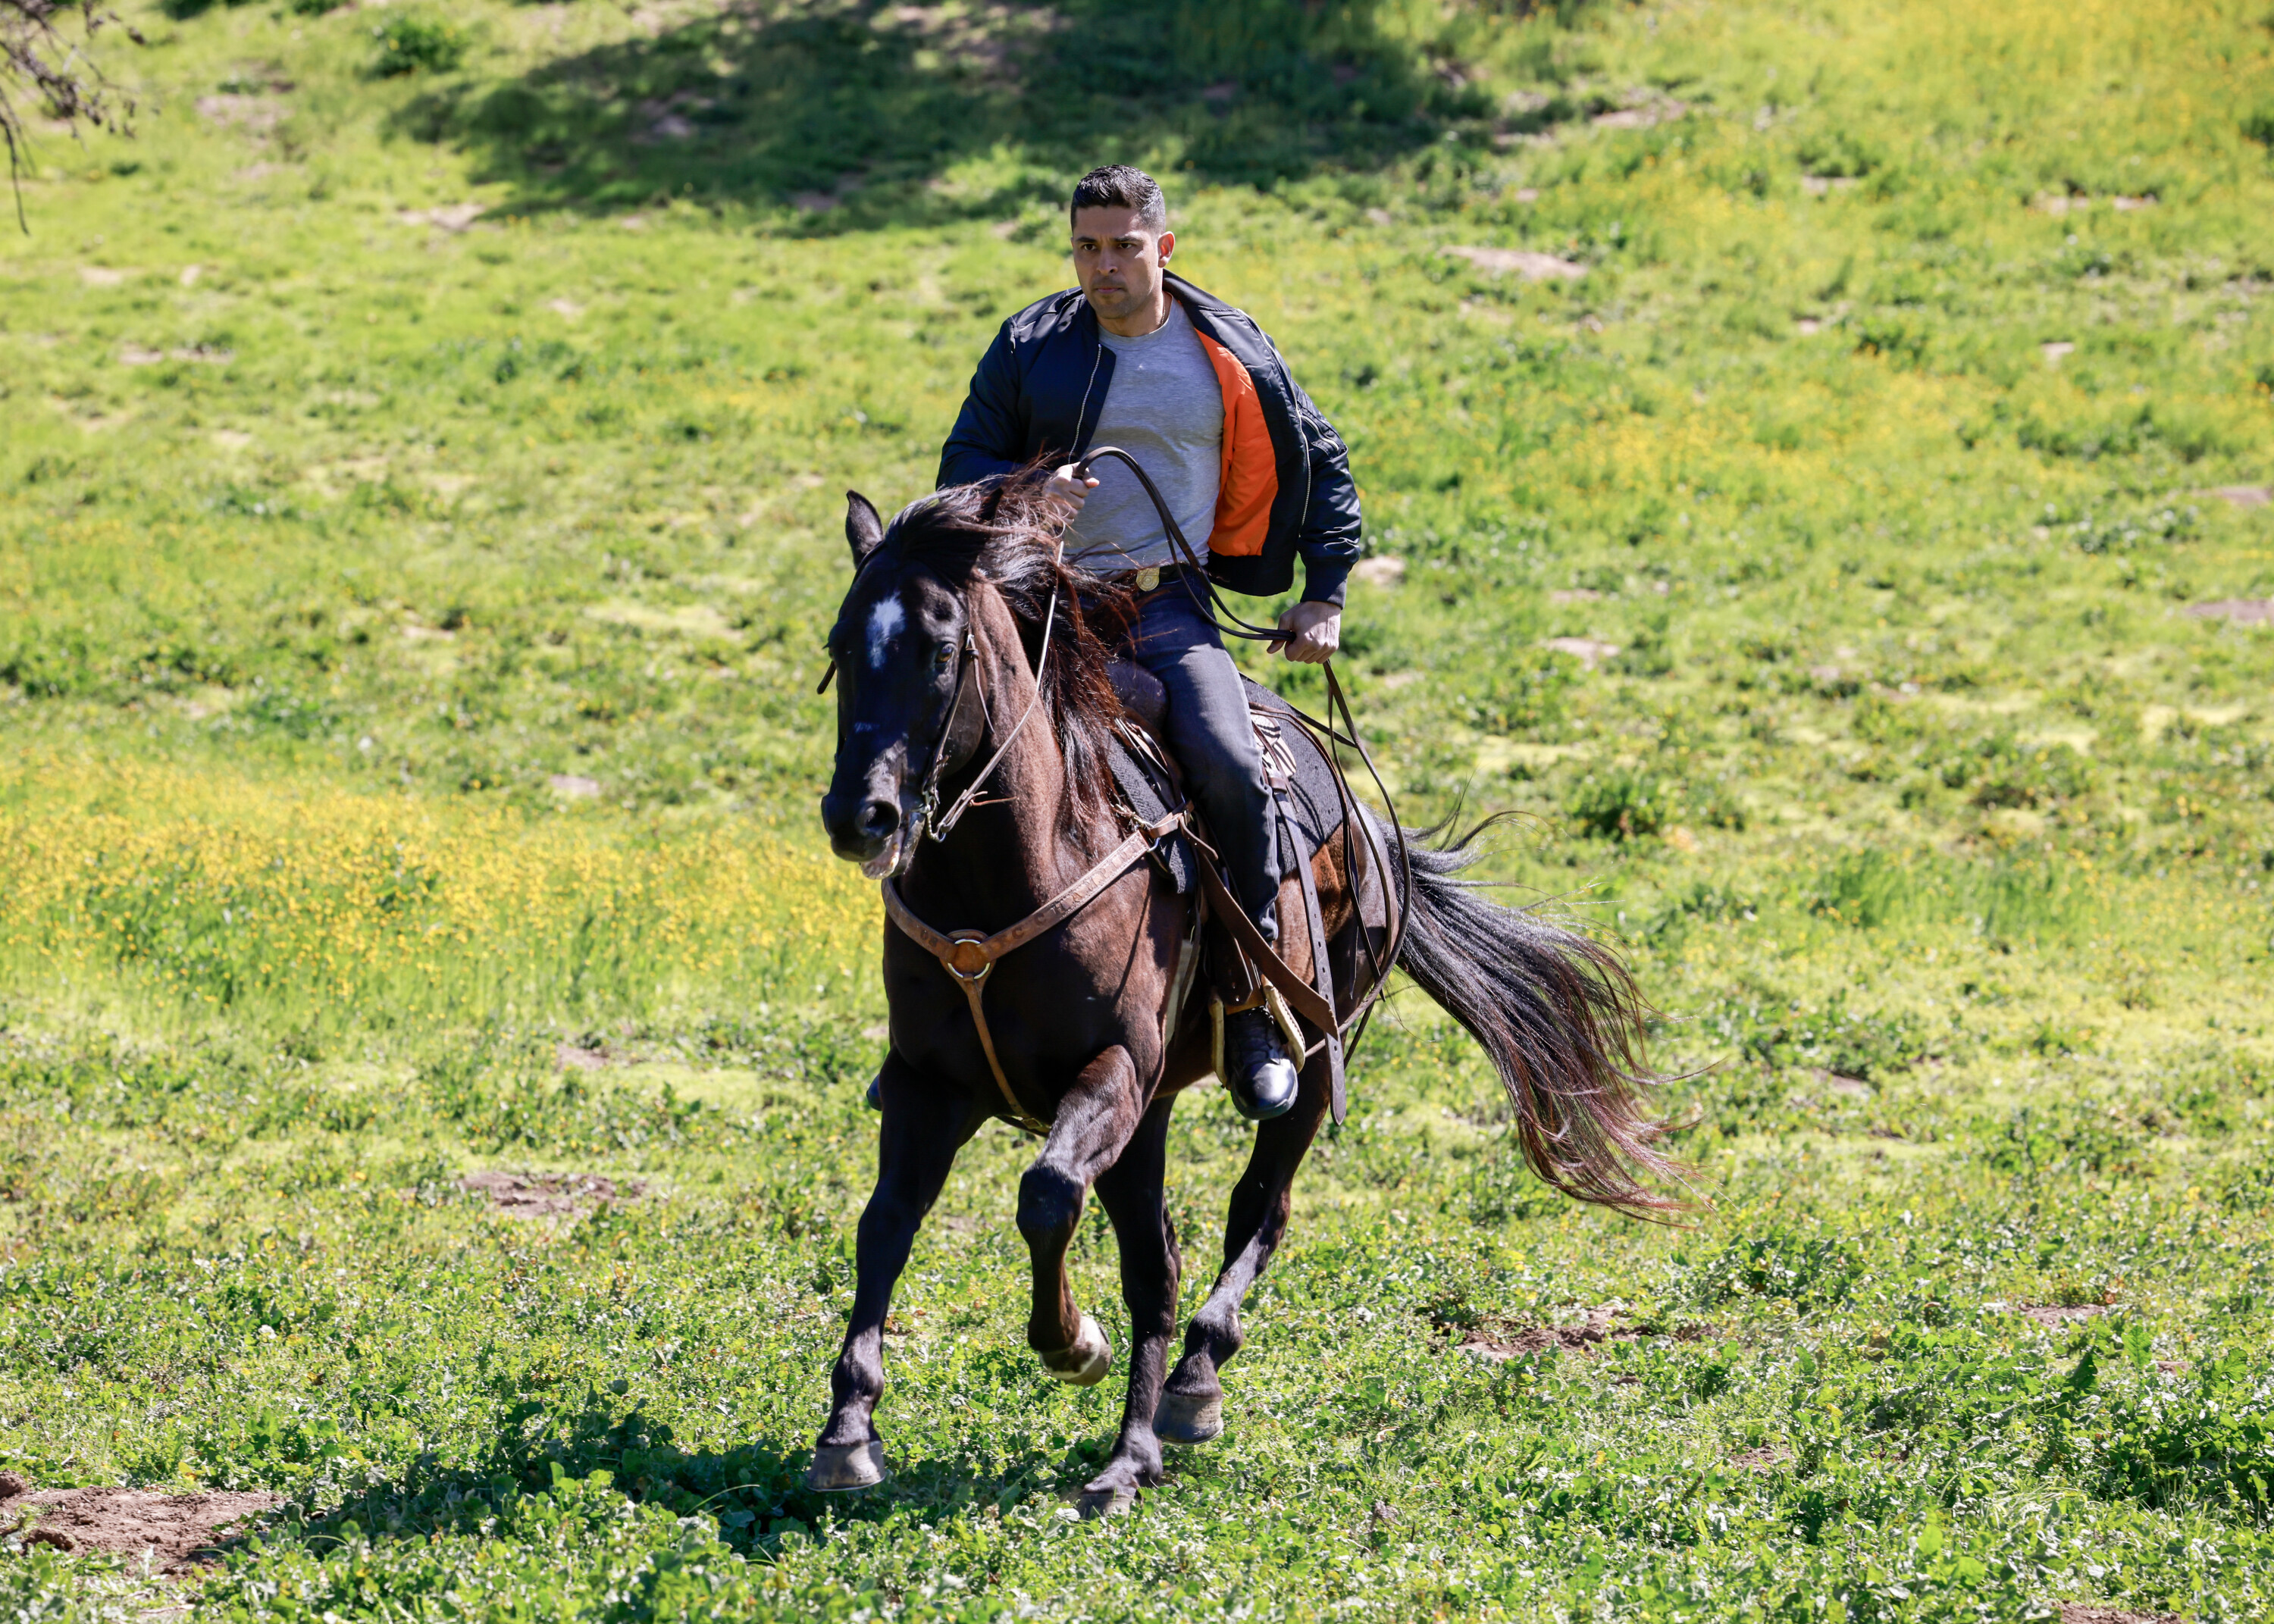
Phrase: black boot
pixel 1257 1072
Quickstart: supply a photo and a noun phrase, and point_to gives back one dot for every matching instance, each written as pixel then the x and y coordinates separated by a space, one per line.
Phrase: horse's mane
pixel 1004 529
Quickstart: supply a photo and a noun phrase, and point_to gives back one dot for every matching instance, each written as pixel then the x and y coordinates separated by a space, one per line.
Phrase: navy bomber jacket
pixel 1286 486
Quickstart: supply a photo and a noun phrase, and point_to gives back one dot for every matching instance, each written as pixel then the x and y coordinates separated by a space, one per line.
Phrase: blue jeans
pixel 1214 743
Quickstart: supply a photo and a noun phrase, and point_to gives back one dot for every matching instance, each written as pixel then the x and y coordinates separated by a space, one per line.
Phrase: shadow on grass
pixel 852 114
pixel 755 1490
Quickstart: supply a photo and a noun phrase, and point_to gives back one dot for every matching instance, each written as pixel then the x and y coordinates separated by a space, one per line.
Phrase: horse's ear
pixel 863 529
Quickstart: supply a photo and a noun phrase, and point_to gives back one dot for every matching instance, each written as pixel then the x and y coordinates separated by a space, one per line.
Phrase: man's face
pixel 1119 261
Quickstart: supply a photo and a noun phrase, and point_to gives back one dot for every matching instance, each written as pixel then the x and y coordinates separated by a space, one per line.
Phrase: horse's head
pixel 898 644
pixel 962 581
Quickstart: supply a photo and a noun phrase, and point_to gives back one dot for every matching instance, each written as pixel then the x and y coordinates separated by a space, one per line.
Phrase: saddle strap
pixel 1322 970
pixel 1300 993
pixel 969 956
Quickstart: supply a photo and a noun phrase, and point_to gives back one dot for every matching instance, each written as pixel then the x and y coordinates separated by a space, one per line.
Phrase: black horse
pixel 965 589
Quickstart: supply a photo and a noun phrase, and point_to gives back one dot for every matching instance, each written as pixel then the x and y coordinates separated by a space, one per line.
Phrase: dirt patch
pixel 2053 1314
pixel 573 1058
pixel 2244 495
pixel 1379 571
pixel 1768 1457
pixel 2241 611
pixel 1497 1343
pixel 134 354
pixel 548 1195
pixel 175 1531
pixel 1639 117
pixel 1849 1087
pixel 2090 1612
pixel 1530 265
pixel 447 216
pixel 258 114
pixel 1586 650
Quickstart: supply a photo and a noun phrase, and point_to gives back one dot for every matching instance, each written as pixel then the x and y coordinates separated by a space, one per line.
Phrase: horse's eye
pixel 941 654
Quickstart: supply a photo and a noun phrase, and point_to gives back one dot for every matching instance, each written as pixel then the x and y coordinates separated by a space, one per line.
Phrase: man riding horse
pixel 1142 359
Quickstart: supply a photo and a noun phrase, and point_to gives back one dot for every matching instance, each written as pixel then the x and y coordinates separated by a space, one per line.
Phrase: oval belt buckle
pixel 1149 578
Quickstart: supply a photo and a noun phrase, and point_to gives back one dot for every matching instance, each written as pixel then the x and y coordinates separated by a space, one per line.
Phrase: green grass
pixel 408 618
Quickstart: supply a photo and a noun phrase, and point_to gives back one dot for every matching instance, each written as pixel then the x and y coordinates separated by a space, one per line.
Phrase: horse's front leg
pixel 1093 1123
pixel 1192 1401
pixel 925 1123
pixel 1131 1192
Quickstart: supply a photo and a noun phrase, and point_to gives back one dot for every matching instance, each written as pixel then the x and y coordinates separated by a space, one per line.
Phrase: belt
pixel 1152 578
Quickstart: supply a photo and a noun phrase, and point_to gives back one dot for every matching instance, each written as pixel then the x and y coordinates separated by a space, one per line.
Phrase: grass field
pixel 409 618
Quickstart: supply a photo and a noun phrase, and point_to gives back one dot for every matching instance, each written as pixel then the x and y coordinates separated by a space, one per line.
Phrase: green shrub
pixel 1900 343
pixel 1625 804
pixel 2117 532
pixel 1622 805
pixel 412 44
pixel 1998 770
pixel 1833 1038
pixel 1520 697
pixel 1842 152
pixel 2209 1439
pixel 2067 1138
pixel 1808 1269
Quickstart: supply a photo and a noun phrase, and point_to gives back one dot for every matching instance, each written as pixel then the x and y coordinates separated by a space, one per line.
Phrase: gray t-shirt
pixel 1164 408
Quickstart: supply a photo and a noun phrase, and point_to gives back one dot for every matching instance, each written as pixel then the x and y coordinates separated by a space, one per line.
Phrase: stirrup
pixel 1282 1016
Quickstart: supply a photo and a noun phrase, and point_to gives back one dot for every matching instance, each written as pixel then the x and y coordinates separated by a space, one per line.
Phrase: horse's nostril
pixel 879 819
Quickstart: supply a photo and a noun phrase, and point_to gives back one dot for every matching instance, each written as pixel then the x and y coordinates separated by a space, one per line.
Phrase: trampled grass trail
pixel 1817 464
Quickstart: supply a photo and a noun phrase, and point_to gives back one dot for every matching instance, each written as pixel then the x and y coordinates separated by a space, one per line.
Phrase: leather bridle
pixel 967 718
pixel 969 956
pixel 940 828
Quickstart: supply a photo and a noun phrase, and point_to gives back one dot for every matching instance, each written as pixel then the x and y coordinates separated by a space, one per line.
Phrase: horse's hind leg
pixel 1191 1401
pixel 924 1125
pixel 1131 1191
pixel 1093 1125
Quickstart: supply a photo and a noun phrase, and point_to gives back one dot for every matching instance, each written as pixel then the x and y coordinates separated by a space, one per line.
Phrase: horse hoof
pixel 1112 1502
pixel 1085 1364
pixel 1185 1418
pixel 839 1466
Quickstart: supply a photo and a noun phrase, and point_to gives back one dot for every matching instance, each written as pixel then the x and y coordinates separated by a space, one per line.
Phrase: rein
pixel 940 827
pixel 969 957
pixel 1214 610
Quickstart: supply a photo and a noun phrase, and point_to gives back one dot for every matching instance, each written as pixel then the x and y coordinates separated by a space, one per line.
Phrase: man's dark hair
pixel 1118 185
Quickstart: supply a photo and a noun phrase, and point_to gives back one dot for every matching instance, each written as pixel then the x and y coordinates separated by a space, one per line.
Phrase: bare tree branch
pixel 42 66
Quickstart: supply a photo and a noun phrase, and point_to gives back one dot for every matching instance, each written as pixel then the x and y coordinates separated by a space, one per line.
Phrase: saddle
pixel 1314 806
pixel 1164 827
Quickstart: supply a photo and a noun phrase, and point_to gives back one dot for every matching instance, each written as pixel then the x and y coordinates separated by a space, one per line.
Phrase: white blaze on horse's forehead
pixel 884 620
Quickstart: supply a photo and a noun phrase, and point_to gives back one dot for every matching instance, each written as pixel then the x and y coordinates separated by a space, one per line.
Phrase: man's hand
pixel 1067 492
pixel 1314 631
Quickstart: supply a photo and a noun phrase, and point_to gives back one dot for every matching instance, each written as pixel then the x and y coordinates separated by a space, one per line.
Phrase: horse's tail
pixel 1561 1020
